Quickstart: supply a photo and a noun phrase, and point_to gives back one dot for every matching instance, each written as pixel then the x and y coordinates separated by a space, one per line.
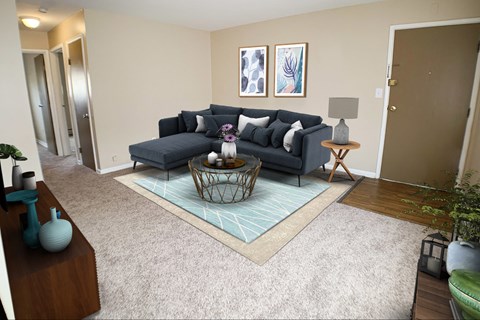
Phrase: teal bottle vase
pixel 56 234
pixel 30 235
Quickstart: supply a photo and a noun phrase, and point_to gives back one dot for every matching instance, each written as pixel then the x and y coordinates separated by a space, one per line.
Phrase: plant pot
pixel 229 150
pixel 463 255
pixel 17 179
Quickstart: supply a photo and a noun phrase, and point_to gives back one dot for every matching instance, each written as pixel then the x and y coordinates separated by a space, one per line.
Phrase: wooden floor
pixel 385 197
pixel 432 298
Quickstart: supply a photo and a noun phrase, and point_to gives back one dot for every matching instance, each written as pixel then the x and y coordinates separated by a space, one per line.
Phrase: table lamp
pixel 342 108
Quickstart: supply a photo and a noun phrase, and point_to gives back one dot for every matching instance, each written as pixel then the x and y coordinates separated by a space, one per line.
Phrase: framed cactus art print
pixel 253 67
pixel 290 70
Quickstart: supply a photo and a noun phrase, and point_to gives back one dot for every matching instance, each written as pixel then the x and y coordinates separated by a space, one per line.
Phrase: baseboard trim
pixel 42 143
pixel 117 168
pixel 367 174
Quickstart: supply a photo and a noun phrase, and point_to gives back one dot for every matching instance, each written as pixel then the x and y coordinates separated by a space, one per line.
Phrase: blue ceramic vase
pixel 30 235
pixel 56 234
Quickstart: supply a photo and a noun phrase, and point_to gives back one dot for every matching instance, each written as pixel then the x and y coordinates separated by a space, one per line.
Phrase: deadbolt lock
pixel 392 108
pixel 392 82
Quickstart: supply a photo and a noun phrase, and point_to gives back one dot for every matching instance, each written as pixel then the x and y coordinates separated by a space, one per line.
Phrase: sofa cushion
pixel 307 120
pixel 268 154
pixel 190 118
pixel 219 109
pixel 200 124
pixel 181 124
pixel 259 113
pixel 288 138
pixel 255 134
pixel 172 148
pixel 279 130
pixel 259 122
pixel 214 122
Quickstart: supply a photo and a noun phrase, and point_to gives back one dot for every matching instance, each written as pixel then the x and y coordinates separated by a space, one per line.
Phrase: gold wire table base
pixel 219 186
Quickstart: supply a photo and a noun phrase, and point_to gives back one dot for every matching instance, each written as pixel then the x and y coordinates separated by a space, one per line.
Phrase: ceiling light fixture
pixel 30 22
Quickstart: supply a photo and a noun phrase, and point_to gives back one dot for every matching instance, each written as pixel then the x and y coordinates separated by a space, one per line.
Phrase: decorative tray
pixel 234 165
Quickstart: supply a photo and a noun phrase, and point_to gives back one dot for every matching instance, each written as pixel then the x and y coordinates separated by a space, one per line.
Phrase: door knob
pixel 86 116
pixel 392 108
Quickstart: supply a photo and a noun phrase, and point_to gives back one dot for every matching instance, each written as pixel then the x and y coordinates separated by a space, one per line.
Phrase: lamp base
pixel 340 133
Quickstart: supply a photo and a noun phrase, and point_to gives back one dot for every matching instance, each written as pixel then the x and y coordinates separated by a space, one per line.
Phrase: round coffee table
pixel 228 184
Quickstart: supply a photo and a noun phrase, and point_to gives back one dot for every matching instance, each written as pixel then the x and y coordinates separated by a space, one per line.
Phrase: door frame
pixel 51 97
pixel 58 97
pixel 473 98
pixel 66 56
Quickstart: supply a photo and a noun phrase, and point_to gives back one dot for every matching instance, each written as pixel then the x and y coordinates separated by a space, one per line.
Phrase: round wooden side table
pixel 343 150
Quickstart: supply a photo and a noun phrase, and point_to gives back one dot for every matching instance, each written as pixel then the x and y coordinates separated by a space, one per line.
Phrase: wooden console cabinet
pixel 47 285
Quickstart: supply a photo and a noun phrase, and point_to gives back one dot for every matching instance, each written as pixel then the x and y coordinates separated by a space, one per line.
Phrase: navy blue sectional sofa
pixel 178 142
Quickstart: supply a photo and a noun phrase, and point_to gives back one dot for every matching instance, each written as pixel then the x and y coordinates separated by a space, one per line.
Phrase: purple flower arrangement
pixel 228 132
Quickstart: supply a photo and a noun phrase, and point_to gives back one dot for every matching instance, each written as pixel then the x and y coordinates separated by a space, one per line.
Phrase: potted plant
pixel 10 151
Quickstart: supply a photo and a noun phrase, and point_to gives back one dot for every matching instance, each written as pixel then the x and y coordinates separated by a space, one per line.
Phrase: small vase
pixel 30 235
pixel 229 150
pixel 17 179
pixel 56 234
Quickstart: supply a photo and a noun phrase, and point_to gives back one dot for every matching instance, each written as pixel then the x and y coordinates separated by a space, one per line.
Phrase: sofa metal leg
pixel 168 175
pixel 298 180
pixel 134 165
pixel 323 168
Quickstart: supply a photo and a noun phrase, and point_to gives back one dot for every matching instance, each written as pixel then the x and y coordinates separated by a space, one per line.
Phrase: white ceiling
pixel 206 15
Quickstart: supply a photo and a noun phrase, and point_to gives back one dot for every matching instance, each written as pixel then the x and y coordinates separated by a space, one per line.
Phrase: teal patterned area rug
pixel 270 203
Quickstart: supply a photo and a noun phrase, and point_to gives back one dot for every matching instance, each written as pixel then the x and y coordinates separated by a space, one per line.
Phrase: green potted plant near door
pixel 10 151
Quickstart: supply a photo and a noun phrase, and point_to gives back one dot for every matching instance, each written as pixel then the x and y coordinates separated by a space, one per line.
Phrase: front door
pixel 78 80
pixel 45 103
pixel 434 70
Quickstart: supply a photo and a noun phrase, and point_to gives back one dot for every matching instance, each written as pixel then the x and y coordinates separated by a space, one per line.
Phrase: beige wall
pixel 347 56
pixel 67 29
pixel 16 121
pixel 473 156
pixel 33 39
pixel 141 71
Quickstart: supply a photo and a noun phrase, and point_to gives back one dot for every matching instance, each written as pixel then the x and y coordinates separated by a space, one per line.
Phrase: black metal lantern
pixel 432 254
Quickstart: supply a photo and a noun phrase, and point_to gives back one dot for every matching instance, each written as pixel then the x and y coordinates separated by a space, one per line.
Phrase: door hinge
pixel 69 62
pixel 80 150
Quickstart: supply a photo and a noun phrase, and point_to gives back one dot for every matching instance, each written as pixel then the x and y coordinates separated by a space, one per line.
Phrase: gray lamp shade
pixel 343 108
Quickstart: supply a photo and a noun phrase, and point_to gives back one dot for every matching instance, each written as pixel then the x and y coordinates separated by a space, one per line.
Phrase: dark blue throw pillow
pixel 258 135
pixel 190 118
pixel 262 136
pixel 214 122
pixel 279 130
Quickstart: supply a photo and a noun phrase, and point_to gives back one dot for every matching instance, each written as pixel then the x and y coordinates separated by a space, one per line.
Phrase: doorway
pixel 40 100
pixel 431 82
pixel 80 100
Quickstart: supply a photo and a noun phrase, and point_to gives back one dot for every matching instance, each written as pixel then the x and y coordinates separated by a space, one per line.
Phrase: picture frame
pixel 291 70
pixel 253 71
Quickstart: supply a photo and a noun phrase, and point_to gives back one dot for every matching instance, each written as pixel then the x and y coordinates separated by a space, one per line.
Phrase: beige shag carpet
pixel 346 264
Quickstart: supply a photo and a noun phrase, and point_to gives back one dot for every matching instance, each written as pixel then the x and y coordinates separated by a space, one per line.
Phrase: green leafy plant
pixel 10 151
pixel 460 203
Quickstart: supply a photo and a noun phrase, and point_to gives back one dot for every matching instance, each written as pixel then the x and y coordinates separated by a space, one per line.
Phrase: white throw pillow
pixel 288 138
pixel 201 127
pixel 258 122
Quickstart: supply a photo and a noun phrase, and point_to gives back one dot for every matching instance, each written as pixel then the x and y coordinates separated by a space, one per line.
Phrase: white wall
pixel 141 71
pixel 34 96
pixel 16 121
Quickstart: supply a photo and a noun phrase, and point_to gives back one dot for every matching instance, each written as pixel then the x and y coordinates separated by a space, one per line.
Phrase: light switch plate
pixel 378 93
